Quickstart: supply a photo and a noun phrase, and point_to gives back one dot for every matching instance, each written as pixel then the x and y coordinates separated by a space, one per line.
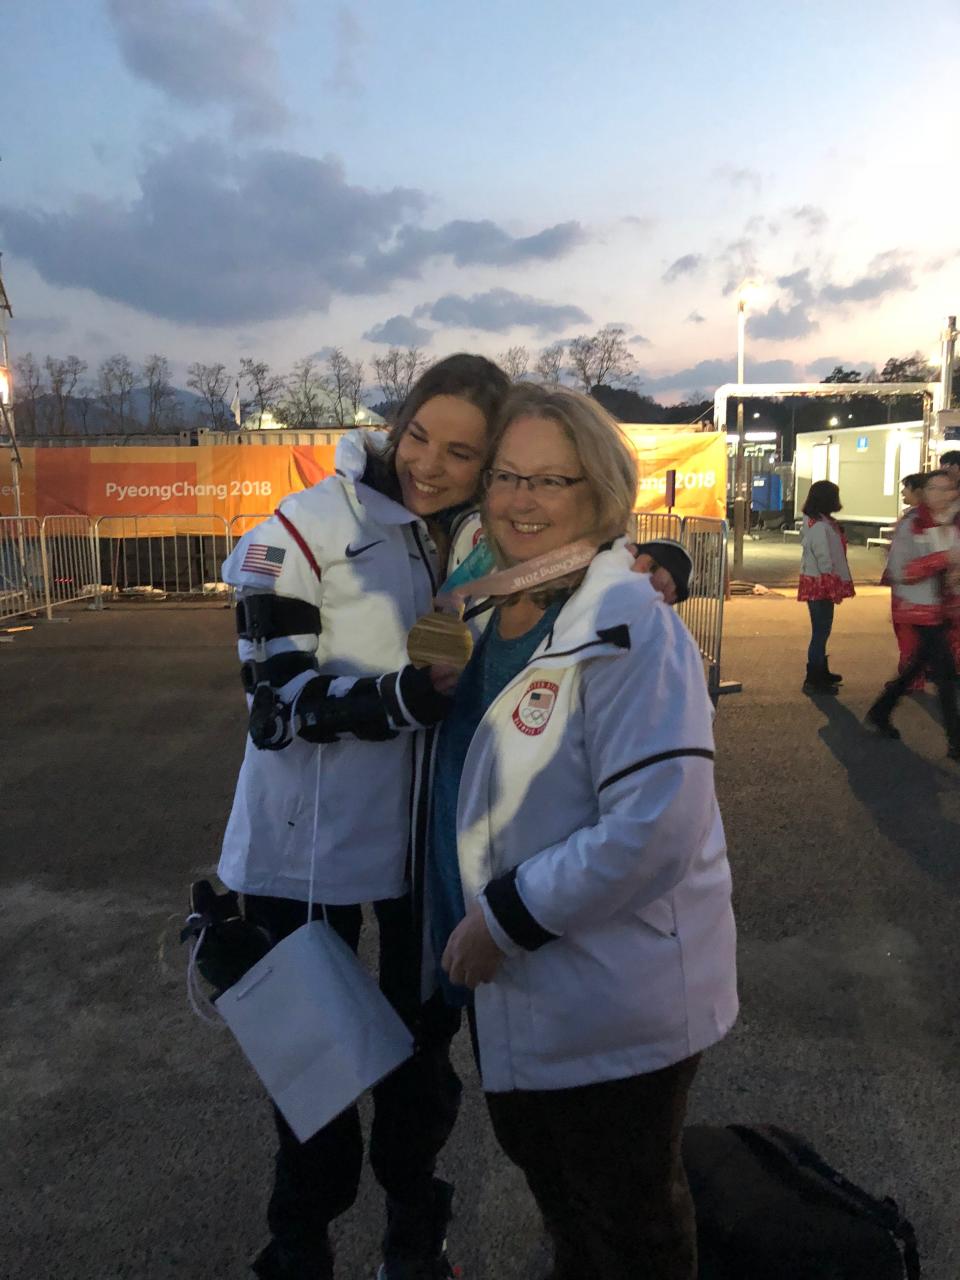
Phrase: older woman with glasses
pixel 580 883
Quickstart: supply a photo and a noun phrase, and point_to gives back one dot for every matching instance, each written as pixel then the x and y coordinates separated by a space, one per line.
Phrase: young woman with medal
pixel 328 589
pixel 578 881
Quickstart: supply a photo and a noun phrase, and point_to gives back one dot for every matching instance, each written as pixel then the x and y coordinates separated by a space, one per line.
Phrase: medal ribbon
pixel 521 577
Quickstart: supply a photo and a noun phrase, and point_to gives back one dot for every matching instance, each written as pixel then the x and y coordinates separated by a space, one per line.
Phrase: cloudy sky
pixel 218 178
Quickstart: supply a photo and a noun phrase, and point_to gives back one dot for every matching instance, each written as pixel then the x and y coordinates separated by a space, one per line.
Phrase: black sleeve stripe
pixel 645 764
pixel 503 899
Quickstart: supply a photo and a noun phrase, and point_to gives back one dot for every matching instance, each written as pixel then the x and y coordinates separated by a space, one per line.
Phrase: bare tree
pixel 117 378
pixel 583 361
pixel 397 371
pixel 339 366
pixel 355 376
pixel 549 364
pixel 601 358
pixel 161 397
pixel 907 369
pixel 840 374
pixel 305 395
pixel 63 376
pixel 615 362
pixel 345 386
pixel 266 387
pixel 210 382
pixel 26 391
pixel 84 400
pixel 514 362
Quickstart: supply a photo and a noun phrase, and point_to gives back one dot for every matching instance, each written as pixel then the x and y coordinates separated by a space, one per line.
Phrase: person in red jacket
pixel 911 491
pixel 950 461
pixel 923 567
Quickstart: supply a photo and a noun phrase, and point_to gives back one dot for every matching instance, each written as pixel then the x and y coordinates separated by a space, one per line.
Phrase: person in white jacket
pixel 594 924
pixel 825 580
pixel 328 589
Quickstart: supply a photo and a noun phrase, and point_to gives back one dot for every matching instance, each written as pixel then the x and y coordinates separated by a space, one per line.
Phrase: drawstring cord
pixel 199 1001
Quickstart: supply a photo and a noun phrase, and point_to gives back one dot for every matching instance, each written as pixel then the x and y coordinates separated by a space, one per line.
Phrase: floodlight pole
pixel 15 459
pixel 739 497
pixel 937 405
pixel 6 401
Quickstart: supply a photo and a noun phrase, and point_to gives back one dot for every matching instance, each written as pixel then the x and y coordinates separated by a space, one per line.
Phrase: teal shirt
pixel 495 662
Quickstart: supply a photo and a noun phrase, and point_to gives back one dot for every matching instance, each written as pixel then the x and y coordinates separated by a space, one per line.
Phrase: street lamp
pixel 744 294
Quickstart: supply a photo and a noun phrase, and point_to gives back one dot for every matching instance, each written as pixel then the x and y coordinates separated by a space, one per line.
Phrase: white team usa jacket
pixel 589 829
pixel 378 573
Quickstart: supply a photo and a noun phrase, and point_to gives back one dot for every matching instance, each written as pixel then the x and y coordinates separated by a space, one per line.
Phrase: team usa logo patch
pixel 535 708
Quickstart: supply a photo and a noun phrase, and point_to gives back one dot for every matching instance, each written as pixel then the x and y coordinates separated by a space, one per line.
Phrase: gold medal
pixel 440 639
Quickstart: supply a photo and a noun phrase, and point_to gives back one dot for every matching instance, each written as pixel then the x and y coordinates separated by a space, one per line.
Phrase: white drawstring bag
pixel 313 1023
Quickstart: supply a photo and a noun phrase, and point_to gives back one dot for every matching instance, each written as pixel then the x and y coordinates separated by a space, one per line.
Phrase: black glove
pixel 269 720
pixel 420 697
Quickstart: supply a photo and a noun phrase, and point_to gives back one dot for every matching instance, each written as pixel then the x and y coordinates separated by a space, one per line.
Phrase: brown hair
pixel 822 500
pixel 472 378
pixel 940 473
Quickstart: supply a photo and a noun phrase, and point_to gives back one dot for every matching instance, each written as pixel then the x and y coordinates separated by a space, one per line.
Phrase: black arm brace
pixel 262 617
pixel 360 712
pixel 371 707
pixel 370 710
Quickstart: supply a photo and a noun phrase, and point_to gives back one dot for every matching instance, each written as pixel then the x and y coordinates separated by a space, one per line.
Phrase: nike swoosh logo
pixel 352 552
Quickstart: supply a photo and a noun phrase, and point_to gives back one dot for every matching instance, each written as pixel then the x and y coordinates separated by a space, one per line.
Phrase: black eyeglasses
pixel 498 481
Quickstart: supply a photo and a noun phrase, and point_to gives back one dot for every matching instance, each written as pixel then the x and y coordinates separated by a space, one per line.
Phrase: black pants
pixel 415 1107
pixel 603 1163
pixel 934 655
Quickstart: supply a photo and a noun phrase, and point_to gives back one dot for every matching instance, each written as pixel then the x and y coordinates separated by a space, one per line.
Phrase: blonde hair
pixel 606 457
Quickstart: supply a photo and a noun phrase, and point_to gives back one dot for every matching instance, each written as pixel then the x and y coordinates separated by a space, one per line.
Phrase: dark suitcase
pixel 770 1208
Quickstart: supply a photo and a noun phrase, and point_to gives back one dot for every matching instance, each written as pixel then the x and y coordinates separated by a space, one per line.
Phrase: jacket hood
pixel 350 459
pixel 610 596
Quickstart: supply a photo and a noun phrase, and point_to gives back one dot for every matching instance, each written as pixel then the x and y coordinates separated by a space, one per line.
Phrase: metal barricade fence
pixel 244 522
pixel 654 524
pixel 702 611
pixel 21 566
pixel 70 568
pixel 162 555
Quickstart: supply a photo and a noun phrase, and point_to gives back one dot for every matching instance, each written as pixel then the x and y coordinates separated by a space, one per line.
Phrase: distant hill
pixel 92 417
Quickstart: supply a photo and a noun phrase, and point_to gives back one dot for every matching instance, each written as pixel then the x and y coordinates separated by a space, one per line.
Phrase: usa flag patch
pixel 263 559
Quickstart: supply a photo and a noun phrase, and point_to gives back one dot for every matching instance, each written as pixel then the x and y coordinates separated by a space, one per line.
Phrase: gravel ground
pixel 137 1143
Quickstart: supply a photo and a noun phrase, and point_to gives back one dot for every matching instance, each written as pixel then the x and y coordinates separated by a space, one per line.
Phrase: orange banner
pixel 221 480
pixel 232 480
pixel 699 459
